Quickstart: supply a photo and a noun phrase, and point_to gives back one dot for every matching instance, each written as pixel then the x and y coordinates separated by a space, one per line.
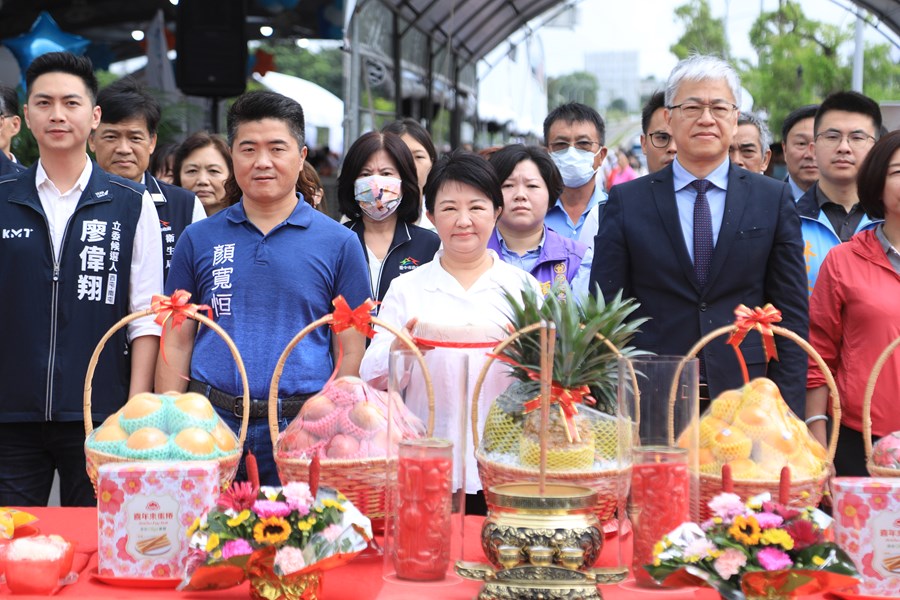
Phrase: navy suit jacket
pixel 758 258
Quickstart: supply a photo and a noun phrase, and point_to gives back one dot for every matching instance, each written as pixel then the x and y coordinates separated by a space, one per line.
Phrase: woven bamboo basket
pixel 362 480
pixel 798 493
pixel 875 470
pixel 227 464
pixel 611 485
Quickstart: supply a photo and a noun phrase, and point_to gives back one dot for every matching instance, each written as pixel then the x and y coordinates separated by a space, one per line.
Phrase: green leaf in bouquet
pixel 826 557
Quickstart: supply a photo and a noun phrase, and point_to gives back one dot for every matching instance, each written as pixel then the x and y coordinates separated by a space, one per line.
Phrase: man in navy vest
pixel 79 249
pixel 123 144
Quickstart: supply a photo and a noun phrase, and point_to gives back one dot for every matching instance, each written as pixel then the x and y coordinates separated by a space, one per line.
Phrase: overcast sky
pixel 648 26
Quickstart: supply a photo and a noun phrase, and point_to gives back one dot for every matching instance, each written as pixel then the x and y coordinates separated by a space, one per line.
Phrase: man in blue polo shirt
pixel 268 266
pixel 575 135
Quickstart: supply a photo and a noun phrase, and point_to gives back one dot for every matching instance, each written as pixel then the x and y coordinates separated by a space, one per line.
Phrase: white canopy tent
pixel 322 109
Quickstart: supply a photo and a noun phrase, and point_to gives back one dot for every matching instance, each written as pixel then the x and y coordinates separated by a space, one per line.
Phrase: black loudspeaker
pixel 212 47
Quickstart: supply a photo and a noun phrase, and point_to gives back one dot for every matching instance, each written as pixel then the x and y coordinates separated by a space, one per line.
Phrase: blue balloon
pixel 45 36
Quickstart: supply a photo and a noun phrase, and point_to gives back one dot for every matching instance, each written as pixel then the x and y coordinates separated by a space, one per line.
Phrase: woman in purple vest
pixel 529 179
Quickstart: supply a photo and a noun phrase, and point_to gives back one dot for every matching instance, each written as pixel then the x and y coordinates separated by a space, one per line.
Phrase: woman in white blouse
pixel 456 298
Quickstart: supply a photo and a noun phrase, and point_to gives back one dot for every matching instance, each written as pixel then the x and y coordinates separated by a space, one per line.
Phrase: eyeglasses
pixel 660 139
pixel 832 138
pixel 693 110
pixel 585 145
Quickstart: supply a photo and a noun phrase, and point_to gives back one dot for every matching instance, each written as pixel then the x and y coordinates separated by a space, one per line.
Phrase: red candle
pixel 660 494
pixel 422 523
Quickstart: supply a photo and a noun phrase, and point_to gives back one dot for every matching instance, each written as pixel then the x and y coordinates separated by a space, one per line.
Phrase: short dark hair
pixel 63 62
pixel 795 116
pixel 656 102
pixel 196 141
pixel 413 129
pixel 873 173
pixel 9 100
pixel 463 167
pixel 127 99
pixel 849 102
pixel 160 156
pixel 262 104
pixel 359 153
pixel 575 112
pixel 505 160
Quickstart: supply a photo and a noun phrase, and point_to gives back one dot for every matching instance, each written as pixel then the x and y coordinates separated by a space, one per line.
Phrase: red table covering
pixel 359 580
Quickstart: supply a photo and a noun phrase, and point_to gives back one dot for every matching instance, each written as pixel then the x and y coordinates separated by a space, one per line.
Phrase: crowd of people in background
pixel 691 232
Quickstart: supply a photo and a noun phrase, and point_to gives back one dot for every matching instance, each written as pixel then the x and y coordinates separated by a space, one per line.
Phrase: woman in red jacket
pixel 854 313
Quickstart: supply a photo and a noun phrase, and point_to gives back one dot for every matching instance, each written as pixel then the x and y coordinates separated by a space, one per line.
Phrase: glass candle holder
pixel 660 501
pixel 426 476
pixel 422 527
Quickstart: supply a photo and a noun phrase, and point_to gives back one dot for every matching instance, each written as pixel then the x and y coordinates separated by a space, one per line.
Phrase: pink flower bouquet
pixel 276 537
pixel 754 549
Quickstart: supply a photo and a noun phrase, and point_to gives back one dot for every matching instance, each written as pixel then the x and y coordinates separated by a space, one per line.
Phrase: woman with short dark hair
pixel 455 303
pixel 379 193
pixel 203 165
pixel 854 314
pixel 529 179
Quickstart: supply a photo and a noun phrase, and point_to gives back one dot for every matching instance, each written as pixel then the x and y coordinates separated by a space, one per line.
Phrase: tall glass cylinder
pixel 661 393
pixel 426 476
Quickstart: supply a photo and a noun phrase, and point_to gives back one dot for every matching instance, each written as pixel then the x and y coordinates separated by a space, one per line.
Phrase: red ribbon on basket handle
pixel 176 308
pixel 760 319
pixel 343 318
pixel 568 399
pixel 359 318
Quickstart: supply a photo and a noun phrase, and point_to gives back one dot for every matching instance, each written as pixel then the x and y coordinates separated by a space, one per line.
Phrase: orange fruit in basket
pixel 110 432
pixel 755 421
pixel 196 441
pixel 710 427
pixel 744 468
pixel 763 392
pixel 731 444
pixel 225 439
pixel 195 405
pixel 784 442
pixel 725 405
pixel 146 438
pixel 141 405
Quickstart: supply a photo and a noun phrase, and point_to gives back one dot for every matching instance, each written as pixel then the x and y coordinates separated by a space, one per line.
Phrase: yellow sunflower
pixel 745 530
pixel 273 530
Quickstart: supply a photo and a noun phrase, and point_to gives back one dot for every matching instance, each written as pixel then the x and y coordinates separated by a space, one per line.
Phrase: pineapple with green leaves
pixel 580 361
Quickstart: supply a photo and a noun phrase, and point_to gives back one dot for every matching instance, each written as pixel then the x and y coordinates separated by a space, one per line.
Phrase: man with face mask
pixel 575 135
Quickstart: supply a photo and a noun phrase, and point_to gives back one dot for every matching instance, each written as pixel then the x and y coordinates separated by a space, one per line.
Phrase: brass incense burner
pixel 556 528
pixel 540 545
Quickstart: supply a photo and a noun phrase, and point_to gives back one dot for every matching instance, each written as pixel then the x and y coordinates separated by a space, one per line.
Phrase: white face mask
pixel 378 196
pixel 576 166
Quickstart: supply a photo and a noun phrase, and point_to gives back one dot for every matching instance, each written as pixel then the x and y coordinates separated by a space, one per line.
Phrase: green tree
pixel 800 62
pixel 579 86
pixel 324 68
pixel 702 33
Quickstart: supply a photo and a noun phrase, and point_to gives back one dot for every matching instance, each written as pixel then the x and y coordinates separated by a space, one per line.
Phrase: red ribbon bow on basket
pixel 359 318
pixel 177 308
pixel 343 318
pixel 760 319
pixel 568 399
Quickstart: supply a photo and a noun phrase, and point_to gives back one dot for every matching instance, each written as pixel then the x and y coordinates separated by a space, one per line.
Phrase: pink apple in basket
pixel 887 451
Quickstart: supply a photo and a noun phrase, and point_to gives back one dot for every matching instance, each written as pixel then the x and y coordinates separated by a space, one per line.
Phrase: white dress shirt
pixel 436 298
pixel 146 258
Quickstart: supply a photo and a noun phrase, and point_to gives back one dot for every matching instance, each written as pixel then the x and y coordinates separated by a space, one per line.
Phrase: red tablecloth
pixel 360 580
